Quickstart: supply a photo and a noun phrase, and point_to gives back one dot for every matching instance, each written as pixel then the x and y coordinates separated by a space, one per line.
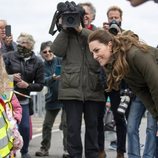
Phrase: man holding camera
pixel 114 15
pixel 80 88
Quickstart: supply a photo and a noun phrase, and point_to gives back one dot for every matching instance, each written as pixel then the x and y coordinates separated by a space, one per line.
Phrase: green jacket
pixel 80 73
pixel 143 77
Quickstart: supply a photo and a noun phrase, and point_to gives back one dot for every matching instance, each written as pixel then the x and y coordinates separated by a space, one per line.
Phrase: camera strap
pixel 51 30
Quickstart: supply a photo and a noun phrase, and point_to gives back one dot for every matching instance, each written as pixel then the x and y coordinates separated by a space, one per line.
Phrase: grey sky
pixel 34 17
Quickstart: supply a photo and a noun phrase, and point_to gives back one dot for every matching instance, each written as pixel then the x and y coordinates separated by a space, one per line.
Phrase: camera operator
pixel 80 88
pixel 114 16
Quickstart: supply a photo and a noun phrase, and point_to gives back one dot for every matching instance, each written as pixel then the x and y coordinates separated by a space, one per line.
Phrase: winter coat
pixel 80 73
pixel 143 77
pixel 32 71
pixel 51 97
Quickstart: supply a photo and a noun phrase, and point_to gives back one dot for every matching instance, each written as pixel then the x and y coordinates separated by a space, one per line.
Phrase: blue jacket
pixel 51 97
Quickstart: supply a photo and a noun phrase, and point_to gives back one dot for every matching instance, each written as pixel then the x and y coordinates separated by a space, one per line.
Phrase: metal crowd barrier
pixel 39 102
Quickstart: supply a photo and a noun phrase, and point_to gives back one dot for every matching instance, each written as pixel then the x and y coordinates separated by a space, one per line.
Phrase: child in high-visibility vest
pixel 11 106
pixel 6 138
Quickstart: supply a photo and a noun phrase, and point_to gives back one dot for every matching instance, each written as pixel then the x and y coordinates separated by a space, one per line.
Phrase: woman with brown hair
pixel 125 57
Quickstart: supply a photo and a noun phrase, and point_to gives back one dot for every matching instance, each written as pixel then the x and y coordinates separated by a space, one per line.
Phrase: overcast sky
pixel 34 17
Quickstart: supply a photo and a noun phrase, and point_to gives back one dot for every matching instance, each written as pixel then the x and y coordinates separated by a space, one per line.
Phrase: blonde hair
pixel 29 38
pixel 4 79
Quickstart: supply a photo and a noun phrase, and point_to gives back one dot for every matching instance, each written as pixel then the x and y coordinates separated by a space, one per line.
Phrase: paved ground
pixel 56 150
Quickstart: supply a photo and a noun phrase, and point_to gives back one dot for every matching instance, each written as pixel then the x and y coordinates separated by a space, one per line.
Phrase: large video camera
pixel 70 15
pixel 114 27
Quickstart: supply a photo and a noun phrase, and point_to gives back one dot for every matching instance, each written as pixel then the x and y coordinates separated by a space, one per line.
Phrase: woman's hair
pixel 121 44
pixel 4 79
pixel 44 45
pixel 26 37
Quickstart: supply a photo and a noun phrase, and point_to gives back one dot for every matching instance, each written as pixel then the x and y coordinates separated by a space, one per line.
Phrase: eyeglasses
pixel 45 52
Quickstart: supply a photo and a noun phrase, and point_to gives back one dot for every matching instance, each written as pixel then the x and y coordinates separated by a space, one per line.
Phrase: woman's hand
pixel 8 40
pixel 17 77
pixel 22 84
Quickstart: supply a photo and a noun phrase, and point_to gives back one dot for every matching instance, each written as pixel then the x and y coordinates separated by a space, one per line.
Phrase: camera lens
pixel 114 30
pixel 114 27
pixel 70 20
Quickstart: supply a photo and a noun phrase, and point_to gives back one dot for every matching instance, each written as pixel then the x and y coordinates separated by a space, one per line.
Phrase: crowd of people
pixel 81 68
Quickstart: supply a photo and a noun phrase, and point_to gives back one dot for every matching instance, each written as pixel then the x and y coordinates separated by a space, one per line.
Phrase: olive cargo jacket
pixel 80 74
pixel 143 77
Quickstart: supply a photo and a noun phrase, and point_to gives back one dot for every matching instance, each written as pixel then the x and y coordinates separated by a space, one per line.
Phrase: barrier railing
pixel 39 102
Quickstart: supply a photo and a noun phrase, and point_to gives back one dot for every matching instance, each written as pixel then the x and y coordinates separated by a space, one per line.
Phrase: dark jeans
pixel 156 154
pixel 63 127
pixel 24 128
pixel 120 121
pixel 74 111
pixel 47 128
pixel 101 137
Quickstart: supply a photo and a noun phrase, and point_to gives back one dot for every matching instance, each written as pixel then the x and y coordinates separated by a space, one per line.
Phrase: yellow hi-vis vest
pixel 6 138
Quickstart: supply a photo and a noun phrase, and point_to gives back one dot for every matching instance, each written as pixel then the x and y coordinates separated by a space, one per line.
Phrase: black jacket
pixel 32 71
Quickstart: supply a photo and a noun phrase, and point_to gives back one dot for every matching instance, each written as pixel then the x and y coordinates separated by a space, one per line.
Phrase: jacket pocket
pixel 70 77
pixel 94 79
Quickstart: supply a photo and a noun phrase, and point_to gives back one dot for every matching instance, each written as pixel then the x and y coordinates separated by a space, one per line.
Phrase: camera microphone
pixel 61 7
pixel 73 3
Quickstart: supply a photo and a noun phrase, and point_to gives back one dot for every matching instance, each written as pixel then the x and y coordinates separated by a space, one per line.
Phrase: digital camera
pixel 125 100
pixel 114 27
